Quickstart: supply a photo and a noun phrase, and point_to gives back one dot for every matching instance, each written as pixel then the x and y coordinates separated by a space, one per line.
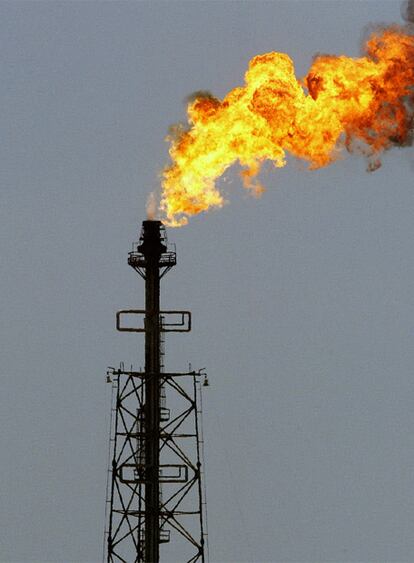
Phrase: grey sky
pixel 302 301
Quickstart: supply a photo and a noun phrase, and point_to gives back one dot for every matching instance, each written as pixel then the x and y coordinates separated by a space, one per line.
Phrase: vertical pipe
pixel 152 248
pixel 152 409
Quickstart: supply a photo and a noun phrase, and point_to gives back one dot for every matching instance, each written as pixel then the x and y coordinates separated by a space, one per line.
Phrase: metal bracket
pixel 173 473
pixel 181 322
pixel 170 321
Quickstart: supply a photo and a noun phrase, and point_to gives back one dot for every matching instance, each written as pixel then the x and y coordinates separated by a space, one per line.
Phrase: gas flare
pixel 361 104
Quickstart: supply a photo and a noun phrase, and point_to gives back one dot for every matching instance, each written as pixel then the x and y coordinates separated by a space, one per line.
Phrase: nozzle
pixel 150 239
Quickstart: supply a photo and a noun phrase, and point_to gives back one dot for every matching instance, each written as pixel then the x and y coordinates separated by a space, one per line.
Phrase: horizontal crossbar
pixel 180 324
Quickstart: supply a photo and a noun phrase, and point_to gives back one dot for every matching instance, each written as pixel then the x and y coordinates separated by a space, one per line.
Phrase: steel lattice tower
pixel 155 486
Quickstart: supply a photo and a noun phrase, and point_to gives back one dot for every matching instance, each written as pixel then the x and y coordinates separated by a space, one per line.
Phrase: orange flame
pixel 364 104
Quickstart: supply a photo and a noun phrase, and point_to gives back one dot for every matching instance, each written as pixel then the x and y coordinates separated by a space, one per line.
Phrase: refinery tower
pixel 155 493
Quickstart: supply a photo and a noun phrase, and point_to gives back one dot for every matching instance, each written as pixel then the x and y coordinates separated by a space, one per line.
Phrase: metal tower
pixel 155 493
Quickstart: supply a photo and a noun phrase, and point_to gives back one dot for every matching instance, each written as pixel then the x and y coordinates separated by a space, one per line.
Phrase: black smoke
pixel 407 11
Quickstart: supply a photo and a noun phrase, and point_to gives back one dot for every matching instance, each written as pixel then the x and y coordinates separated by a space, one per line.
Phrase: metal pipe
pixel 152 248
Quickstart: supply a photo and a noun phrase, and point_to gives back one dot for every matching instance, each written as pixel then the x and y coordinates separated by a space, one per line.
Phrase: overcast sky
pixel 302 301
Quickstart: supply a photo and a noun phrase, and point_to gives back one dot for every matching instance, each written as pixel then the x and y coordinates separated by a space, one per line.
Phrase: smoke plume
pixel 407 11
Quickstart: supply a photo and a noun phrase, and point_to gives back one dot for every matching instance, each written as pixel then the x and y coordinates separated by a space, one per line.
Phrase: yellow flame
pixel 341 102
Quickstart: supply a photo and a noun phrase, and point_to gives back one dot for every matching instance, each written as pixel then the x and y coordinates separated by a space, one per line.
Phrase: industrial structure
pixel 155 494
